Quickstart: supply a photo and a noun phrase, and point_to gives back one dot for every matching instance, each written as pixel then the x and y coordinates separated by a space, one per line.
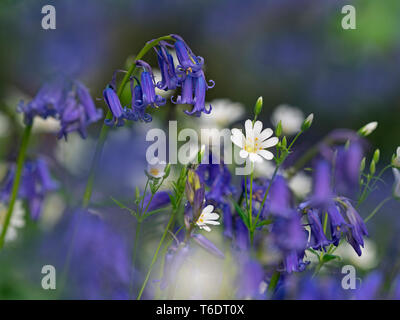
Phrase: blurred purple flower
pixel 207 245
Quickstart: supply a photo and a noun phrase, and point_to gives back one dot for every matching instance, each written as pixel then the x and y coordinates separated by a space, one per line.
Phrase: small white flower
pixel 396 185
pixel 396 158
pixel 291 118
pixel 224 112
pixel 17 220
pixel 207 217
pixel 255 141
pixel 156 168
pixel 264 169
pixel 368 128
pixel 301 184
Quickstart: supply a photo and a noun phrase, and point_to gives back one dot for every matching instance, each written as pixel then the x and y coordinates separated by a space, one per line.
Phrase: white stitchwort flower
pixel 17 220
pixel 291 118
pixel 207 217
pixel 396 185
pixel 156 168
pixel 255 141
pixel 396 158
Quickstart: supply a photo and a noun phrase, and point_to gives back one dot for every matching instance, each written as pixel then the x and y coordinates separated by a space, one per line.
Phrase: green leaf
pixel 122 206
pixel 329 257
pixel 264 223
pixel 241 213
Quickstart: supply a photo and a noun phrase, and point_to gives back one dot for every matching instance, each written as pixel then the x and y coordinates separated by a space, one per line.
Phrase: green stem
pixel 251 229
pixel 137 234
pixel 378 207
pixel 104 130
pixel 274 282
pixel 16 183
pixel 171 219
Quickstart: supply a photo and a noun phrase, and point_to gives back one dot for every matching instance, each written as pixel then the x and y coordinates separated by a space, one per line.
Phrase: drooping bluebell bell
pixel 149 96
pixel 322 190
pixel 47 102
pixel 177 255
pixel 280 197
pixel 169 80
pixel 370 286
pixel 337 223
pixel 138 110
pixel 36 182
pixel 249 279
pixel 78 111
pixel 318 240
pixel 160 200
pixel 193 81
pixel 293 261
pixel 114 104
pixel 357 229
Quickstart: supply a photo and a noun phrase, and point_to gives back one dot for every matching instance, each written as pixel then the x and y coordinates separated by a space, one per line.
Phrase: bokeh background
pixel 288 51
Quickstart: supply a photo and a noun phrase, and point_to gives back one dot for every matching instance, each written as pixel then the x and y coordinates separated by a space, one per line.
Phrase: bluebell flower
pixel 322 190
pixel 249 280
pixel 114 104
pixel 280 198
pixel 169 80
pixel 318 240
pixel 101 273
pixel 36 182
pixel 337 224
pixel 193 81
pixel 160 200
pixel 293 261
pixel 370 287
pixel 47 103
pixel 78 111
pixel 357 229
pixel 149 96
pixel 138 110
pixel 175 259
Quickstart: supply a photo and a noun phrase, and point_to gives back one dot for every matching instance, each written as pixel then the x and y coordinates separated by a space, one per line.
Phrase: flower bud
pixel 368 129
pixel 278 129
pixel 307 123
pixel 376 155
pixel 362 164
pixel 372 167
pixel 258 106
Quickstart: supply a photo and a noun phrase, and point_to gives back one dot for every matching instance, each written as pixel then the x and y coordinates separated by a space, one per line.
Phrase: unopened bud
pixel 307 123
pixel 258 106
pixel 368 129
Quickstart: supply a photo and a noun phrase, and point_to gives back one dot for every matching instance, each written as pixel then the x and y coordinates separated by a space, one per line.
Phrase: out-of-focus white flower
pixel 300 184
pixel 396 158
pixel 75 154
pixel 52 212
pixel 224 112
pixel 291 118
pixel 207 216
pixel 48 125
pixel 396 185
pixel 255 141
pixel 368 128
pixel 156 168
pixel 264 169
pixel 4 125
pixel 17 220
pixel 367 260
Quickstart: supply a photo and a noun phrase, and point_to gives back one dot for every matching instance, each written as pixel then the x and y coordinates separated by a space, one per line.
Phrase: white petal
pixel 208 209
pixel 265 134
pixel 266 154
pixel 249 129
pixel 243 154
pixel 208 229
pixel 257 128
pixel 211 216
pixel 237 137
pixel 269 143
pixel 215 223
pixel 255 157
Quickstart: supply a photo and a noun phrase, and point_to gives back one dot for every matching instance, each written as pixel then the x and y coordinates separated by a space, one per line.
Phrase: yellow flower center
pixel 154 171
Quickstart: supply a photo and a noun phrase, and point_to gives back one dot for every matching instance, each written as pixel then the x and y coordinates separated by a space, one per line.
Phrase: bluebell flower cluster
pixel 68 101
pixel 187 73
pixel 36 182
